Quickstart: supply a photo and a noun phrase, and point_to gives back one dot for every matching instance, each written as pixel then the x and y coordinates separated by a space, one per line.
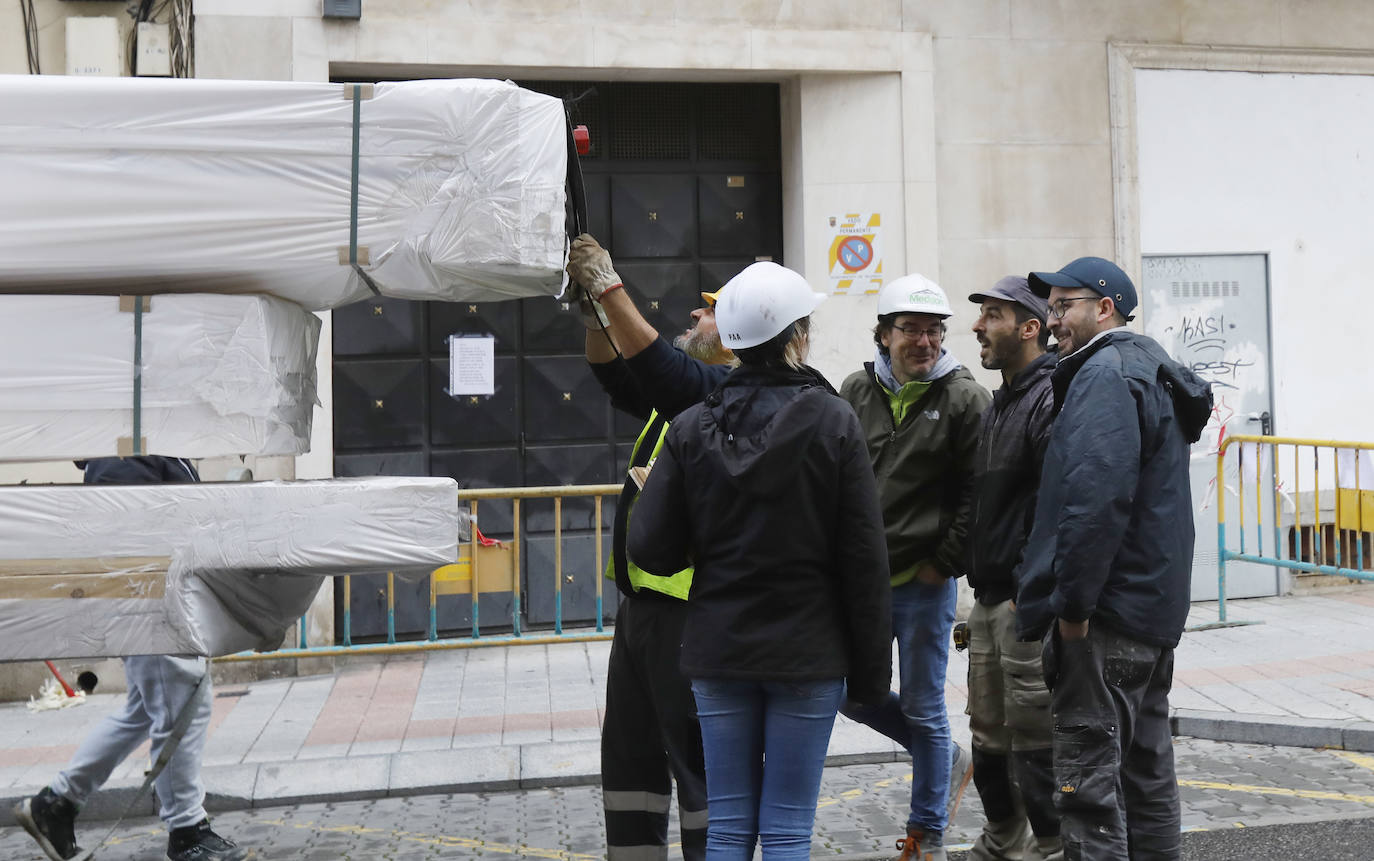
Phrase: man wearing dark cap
pixel 1008 704
pixel 1105 580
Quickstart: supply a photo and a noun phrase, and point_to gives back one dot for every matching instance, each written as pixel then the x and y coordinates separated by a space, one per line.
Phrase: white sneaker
pixel 960 773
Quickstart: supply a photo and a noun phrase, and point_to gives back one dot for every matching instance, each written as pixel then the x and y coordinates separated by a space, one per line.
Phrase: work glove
pixel 593 317
pixel 590 265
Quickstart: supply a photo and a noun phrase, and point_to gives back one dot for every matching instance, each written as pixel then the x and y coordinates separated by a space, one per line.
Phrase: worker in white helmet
pixel 766 489
pixel 920 411
pixel 650 737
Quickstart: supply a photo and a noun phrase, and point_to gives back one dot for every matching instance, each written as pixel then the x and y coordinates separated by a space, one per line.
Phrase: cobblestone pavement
pixel 1224 786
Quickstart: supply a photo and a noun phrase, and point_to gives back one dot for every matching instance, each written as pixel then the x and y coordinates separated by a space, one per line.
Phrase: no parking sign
pixel 856 261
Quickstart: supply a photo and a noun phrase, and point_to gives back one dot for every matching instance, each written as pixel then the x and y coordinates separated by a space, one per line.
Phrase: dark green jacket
pixel 924 467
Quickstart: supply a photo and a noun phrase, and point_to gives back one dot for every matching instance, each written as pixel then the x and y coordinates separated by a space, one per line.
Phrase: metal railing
pixel 1336 543
pixel 480 569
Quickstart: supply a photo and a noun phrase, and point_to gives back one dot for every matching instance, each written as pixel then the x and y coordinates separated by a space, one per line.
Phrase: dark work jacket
pixel 1113 534
pixel 767 488
pixel 924 466
pixel 1006 475
pixel 658 378
pixel 146 469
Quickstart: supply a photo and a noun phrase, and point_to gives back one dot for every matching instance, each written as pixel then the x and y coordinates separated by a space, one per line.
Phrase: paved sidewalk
pixel 529 716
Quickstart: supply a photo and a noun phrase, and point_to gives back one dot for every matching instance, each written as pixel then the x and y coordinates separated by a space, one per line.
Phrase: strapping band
pixel 353 193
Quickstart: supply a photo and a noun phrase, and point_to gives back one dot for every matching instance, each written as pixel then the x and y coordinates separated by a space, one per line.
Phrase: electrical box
pixel 153 54
pixel 93 46
pixel 343 9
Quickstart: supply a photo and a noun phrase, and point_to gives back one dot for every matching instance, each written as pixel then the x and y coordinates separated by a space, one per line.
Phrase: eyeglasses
pixel 932 334
pixel 1060 307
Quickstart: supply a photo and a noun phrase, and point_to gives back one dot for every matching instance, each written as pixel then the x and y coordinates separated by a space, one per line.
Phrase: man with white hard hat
pixel 920 410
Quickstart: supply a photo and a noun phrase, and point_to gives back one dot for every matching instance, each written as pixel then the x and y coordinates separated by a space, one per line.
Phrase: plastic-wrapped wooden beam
pixel 205 569
pixel 454 189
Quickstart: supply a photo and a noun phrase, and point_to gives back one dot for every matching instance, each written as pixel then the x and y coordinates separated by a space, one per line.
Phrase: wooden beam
pixel 143 584
pixel 92 565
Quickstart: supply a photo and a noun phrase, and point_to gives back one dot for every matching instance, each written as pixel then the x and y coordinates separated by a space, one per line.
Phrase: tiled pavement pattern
pixel 1224 786
pixel 528 716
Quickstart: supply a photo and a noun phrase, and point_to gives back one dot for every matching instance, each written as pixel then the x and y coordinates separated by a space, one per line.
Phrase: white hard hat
pixel 761 301
pixel 913 294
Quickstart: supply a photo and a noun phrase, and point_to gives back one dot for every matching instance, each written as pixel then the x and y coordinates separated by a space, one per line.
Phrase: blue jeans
pixel 744 723
pixel 922 618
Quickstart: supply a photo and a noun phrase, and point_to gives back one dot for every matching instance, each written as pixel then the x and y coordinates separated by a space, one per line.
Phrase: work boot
pixel 914 849
pixel 198 843
pixel 50 819
pixel 960 772
pixel 1008 840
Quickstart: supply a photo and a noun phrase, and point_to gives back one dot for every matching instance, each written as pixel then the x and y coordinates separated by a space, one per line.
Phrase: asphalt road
pixel 1333 840
pixel 1240 802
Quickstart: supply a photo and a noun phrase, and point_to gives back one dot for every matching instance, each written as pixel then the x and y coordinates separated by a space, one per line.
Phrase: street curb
pixel 538 766
pixel 1273 729
pixel 314 781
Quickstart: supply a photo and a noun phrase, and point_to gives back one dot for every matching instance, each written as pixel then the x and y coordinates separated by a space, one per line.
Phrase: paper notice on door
pixel 472 365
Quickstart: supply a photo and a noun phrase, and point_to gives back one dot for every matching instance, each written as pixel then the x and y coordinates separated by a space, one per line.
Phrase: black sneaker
pixel 198 843
pixel 49 818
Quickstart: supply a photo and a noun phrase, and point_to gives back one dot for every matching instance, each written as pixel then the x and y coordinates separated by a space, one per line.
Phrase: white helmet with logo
pixel 760 302
pixel 913 294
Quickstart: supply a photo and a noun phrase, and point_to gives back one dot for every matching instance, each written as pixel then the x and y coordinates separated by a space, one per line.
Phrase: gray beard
pixel 701 349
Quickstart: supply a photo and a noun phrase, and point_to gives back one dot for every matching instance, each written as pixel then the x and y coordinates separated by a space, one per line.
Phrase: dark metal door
pixel 683 186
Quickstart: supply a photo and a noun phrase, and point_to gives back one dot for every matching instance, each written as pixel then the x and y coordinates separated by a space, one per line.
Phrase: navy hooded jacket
pixel 1113 532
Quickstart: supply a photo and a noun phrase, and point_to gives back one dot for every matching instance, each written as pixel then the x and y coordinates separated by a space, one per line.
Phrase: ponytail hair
pixel 785 349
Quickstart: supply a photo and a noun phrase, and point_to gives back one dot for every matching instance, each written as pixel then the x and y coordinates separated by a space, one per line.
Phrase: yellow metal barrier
pixel 1336 541
pixel 497 571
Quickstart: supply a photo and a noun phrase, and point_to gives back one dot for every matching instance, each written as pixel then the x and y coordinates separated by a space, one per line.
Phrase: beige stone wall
pixel 1023 114
pixel 989 148
pixel 52 33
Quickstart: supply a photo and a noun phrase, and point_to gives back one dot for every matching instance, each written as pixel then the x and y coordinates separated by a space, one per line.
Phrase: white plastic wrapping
pixel 145 185
pixel 243 560
pixel 222 375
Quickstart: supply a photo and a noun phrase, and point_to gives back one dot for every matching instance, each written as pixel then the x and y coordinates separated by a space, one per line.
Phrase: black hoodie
pixel 767 488
pixel 1006 476
pixel 1113 534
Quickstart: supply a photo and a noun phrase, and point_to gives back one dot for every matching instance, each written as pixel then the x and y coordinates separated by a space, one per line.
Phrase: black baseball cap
pixel 1015 289
pixel 1103 277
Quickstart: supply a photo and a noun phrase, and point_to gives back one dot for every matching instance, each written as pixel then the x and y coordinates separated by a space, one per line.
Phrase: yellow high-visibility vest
pixel 679 584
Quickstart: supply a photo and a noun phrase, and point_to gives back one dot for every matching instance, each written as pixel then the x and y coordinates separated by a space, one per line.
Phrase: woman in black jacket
pixel 767 489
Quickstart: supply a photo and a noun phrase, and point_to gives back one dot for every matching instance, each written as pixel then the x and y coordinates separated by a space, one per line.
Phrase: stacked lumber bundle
pixel 217 375
pixel 201 569
pixel 163 243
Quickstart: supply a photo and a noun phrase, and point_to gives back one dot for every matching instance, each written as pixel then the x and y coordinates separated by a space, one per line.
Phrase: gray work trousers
pixel 1113 752
pixel 159 685
pixel 1009 714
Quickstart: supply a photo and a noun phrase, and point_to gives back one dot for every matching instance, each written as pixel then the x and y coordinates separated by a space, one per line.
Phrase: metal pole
pixel 1221 531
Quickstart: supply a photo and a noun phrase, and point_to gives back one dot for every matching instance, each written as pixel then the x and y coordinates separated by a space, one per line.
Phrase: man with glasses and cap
pixel 1008 704
pixel 650 736
pixel 1105 579
pixel 919 409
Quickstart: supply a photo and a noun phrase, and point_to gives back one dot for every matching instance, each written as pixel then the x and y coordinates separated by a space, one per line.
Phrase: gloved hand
pixel 590 310
pixel 590 265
